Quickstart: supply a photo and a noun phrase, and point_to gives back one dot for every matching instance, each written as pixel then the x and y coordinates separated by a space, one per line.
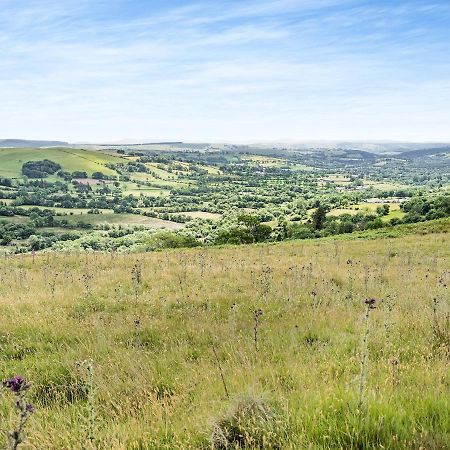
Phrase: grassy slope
pixel 12 159
pixel 123 219
pixel 76 216
pixel 157 383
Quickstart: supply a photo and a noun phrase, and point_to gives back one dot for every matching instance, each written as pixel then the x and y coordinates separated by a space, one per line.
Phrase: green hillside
pixel 255 347
pixel 89 161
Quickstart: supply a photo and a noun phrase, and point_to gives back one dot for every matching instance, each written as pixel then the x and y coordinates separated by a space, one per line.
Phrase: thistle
pixel 19 386
pixel 136 278
pixel 222 376
pixel 370 305
pixel 90 410
pixel 256 317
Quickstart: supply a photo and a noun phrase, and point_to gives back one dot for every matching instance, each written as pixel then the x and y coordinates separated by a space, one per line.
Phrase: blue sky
pixel 248 70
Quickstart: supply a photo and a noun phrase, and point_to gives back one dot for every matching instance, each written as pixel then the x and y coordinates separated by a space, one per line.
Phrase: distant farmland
pixel 89 161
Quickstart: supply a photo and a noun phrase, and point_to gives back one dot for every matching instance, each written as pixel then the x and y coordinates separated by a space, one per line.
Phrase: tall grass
pixel 145 328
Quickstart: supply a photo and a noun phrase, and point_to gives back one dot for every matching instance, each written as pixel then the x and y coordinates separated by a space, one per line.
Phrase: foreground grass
pixel 160 330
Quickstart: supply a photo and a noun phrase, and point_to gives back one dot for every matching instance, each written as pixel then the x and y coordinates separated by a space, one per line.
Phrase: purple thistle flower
pixel 17 384
pixel 370 302
pixel 29 408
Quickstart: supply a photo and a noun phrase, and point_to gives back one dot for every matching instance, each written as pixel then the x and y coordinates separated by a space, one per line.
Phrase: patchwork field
pixel 206 195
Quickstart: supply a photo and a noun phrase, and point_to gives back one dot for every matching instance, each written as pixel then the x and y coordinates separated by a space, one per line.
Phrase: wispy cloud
pixel 266 69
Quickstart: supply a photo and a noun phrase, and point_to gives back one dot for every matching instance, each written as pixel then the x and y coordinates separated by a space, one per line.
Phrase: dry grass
pixel 156 380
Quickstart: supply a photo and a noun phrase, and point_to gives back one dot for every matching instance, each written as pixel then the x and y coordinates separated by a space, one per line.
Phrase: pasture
pixel 89 161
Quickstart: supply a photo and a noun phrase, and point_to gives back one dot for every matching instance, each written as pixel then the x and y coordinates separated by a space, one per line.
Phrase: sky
pixel 230 70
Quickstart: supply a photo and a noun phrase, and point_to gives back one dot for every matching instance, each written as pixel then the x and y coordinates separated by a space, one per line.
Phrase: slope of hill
pixel 12 159
pixel 30 143
pixel 269 346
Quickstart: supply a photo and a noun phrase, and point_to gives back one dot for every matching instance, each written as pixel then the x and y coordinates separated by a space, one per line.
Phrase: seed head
pixel 393 361
pixel 370 302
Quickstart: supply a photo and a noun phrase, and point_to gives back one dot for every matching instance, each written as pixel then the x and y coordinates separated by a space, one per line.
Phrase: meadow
pixel 314 344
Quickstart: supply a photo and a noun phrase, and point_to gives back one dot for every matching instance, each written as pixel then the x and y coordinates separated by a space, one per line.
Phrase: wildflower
pixel 17 384
pixel 29 408
pixel 370 302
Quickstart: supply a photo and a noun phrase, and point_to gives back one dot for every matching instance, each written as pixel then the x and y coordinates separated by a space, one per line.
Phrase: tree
pixel 40 169
pixel 98 176
pixel 254 229
pixel 318 217
pixel 383 210
pixel 79 174
pixel 281 231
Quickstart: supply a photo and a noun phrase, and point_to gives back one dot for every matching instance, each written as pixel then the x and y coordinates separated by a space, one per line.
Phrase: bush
pixel 166 239
pixel 298 231
pixel 346 227
pixel 374 224
pixel 251 423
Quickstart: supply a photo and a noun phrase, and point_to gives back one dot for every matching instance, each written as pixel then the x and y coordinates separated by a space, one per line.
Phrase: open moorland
pixel 326 344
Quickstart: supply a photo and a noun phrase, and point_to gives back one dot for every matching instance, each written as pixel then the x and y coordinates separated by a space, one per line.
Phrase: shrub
pixel 299 231
pixel 251 423
pixel 166 239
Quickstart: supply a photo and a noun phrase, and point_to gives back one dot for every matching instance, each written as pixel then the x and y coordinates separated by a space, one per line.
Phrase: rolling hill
pixel 424 152
pixel 89 161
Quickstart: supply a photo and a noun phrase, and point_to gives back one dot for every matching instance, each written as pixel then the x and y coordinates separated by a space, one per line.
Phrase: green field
pixel 76 216
pixel 66 211
pixel 129 188
pixel 122 219
pixel 202 215
pixel 367 207
pixel 89 161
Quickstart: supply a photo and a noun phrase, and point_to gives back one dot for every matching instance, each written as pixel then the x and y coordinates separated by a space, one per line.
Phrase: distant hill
pixel 34 144
pixel 377 147
pixel 424 152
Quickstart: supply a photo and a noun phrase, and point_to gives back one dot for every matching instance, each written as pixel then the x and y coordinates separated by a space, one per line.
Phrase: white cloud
pixel 272 69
